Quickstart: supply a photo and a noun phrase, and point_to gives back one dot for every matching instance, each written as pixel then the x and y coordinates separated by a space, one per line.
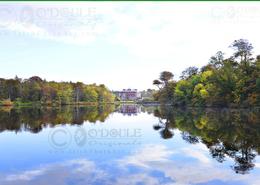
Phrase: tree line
pixel 41 91
pixel 223 82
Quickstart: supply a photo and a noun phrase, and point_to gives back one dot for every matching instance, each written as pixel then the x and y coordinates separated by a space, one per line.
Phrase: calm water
pixel 129 145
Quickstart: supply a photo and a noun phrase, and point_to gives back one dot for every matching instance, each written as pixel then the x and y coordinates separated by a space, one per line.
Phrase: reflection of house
pixel 128 94
pixel 129 109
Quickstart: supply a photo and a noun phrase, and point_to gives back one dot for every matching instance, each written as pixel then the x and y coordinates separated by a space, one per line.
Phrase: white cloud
pixel 160 36
pixel 137 178
pixel 257 165
pixel 157 157
pixel 197 154
pixel 147 155
pixel 81 170
pixel 25 176
pixel 148 159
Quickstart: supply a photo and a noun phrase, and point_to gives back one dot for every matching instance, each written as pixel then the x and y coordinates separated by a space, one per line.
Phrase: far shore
pixel 117 103
pixel 55 104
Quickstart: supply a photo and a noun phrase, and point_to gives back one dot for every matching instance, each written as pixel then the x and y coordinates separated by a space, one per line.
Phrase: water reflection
pixel 227 133
pixel 232 133
pixel 35 119
pixel 129 109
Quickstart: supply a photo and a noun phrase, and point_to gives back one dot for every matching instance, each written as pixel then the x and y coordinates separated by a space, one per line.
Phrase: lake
pixel 129 144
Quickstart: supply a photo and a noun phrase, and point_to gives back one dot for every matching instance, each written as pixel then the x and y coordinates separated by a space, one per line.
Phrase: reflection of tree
pixel 230 133
pixel 244 161
pixel 189 138
pixel 35 119
pixel 217 151
pixel 165 127
pixel 243 155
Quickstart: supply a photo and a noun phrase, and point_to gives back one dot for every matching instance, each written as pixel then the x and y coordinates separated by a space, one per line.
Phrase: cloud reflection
pixel 150 165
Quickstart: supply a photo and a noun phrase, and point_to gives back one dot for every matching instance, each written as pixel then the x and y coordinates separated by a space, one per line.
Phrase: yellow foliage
pixel 204 93
pixel 202 122
pixel 205 75
pixel 7 102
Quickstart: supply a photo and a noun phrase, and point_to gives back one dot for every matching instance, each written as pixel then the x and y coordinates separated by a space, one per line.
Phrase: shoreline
pixel 39 104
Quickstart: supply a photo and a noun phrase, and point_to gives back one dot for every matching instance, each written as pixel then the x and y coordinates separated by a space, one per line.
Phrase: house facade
pixel 128 94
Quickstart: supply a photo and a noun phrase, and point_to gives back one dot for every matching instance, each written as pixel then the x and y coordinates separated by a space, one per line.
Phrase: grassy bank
pixel 8 103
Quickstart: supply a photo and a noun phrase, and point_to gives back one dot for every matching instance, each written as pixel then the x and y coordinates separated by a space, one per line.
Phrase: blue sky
pixel 123 44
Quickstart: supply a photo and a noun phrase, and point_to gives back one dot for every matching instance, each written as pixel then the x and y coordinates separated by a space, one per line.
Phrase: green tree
pixel 189 72
pixel 223 82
